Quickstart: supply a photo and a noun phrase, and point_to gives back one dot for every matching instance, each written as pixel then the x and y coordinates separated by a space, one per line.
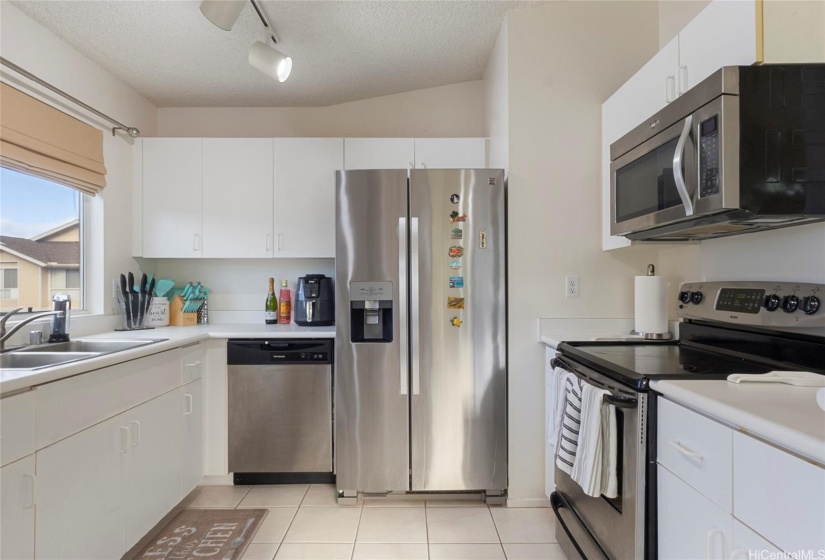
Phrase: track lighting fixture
pixel 262 57
pixel 223 13
pixel 270 61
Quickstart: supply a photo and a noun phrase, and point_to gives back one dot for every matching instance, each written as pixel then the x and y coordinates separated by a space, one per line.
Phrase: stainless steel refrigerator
pixel 421 319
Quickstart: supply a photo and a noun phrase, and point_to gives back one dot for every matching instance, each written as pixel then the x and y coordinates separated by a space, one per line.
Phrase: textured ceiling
pixel 342 50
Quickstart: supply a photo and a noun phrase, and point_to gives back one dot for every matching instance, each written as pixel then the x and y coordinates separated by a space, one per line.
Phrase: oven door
pixel 595 528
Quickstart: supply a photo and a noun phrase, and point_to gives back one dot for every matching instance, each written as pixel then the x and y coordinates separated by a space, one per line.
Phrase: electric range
pixel 727 327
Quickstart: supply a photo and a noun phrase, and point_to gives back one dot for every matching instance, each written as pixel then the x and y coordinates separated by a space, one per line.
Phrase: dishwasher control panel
pixel 299 357
pixel 281 352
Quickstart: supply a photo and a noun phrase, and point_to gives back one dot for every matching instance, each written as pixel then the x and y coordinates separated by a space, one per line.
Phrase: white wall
pixel 564 60
pixel 496 103
pixel 34 48
pixel 455 110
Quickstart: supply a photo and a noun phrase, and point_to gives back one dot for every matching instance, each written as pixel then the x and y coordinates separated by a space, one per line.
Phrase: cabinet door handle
pixel 709 542
pixel 280 241
pixel 683 79
pixel 196 246
pixel 685 451
pixel 268 239
pixel 31 495
pixel 123 444
pixel 187 408
pixel 136 440
pixel 740 553
pixel 670 89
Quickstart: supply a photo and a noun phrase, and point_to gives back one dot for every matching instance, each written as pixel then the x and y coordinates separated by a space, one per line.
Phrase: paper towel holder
pixel 651 271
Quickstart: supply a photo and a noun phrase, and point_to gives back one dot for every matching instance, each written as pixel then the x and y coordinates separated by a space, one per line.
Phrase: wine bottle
pixel 271 308
pixel 285 305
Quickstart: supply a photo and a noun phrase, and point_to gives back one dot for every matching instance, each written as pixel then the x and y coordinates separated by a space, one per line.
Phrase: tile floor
pixel 305 522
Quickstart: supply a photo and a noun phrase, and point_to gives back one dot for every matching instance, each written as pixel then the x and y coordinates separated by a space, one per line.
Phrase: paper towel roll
pixel 651 304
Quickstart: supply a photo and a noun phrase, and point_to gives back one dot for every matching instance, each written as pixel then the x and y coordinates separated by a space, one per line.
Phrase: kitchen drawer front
pixel 16 427
pixel 70 405
pixel 697 450
pixel 192 363
pixel 690 526
pixel 778 495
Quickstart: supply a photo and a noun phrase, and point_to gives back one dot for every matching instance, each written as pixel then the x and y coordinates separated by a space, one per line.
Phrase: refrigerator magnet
pixel 456 281
pixel 482 239
pixel 456 322
pixel 455 303
pixel 454 198
pixel 456 251
pixel 456 217
pixel 456 233
pixel 455 265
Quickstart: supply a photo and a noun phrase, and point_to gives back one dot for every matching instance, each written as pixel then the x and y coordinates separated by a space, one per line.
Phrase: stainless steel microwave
pixel 742 151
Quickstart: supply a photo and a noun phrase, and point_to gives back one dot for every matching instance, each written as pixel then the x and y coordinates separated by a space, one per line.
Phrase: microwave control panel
pixel 709 157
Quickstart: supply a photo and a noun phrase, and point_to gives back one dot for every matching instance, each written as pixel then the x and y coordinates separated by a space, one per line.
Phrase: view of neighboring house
pixel 33 270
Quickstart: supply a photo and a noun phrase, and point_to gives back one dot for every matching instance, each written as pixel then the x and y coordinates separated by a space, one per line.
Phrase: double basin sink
pixel 59 353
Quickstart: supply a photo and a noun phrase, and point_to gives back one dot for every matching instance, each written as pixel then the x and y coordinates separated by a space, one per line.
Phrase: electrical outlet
pixel 571 286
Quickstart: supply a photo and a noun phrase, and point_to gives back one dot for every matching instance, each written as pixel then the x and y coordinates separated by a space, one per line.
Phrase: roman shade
pixel 38 139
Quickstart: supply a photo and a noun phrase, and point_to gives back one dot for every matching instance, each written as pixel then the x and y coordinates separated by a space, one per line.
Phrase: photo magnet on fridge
pixel 456 281
pixel 455 265
pixel 455 303
pixel 456 251
pixel 456 217
pixel 457 233
pixel 454 198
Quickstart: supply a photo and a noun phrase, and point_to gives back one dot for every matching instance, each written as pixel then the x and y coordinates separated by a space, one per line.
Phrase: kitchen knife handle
pixel 403 365
pixel 416 316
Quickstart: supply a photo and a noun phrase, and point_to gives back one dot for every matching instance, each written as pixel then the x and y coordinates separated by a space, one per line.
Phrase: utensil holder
pixel 120 308
pixel 178 317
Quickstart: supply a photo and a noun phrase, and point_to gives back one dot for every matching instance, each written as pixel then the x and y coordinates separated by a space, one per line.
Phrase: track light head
pixel 270 61
pixel 222 13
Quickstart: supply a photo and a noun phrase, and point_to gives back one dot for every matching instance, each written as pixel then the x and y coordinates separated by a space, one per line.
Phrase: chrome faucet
pixel 4 336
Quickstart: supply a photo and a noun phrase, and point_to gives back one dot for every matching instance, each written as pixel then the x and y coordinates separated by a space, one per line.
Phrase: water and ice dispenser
pixel 371 307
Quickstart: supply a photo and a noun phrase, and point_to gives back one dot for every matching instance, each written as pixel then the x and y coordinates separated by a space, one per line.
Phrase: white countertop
pixel 13 380
pixel 786 416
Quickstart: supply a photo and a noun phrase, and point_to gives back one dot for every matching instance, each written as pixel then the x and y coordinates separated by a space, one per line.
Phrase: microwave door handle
pixel 678 176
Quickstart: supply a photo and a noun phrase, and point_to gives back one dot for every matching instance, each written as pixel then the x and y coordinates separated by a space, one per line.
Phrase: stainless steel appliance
pixel 421 350
pixel 280 410
pixel 315 301
pixel 742 151
pixel 61 306
pixel 727 327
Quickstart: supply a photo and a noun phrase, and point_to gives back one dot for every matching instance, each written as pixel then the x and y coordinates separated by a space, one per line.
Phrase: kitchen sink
pixel 36 360
pixel 58 353
pixel 96 346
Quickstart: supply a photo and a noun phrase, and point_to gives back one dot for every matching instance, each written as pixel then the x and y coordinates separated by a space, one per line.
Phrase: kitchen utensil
pixel 149 291
pixel 142 299
pixel 163 286
pixel 126 303
pixel 796 378
pixel 131 299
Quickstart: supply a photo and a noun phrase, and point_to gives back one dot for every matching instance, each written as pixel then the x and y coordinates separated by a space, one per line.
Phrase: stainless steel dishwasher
pixel 280 411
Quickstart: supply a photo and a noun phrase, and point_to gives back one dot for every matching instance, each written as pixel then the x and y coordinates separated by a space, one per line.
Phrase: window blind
pixel 38 139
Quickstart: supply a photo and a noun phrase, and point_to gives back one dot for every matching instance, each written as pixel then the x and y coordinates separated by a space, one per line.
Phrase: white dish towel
pixel 570 423
pixel 587 468
pixel 557 397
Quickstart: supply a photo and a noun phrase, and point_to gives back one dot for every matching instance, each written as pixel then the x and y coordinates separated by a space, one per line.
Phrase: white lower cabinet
pixel 153 462
pixel 690 525
pixel 17 493
pixel 80 502
pixel 747 544
pixel 192 436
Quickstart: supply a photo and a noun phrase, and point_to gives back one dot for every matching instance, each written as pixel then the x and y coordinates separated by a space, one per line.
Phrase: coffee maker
pixel 315 301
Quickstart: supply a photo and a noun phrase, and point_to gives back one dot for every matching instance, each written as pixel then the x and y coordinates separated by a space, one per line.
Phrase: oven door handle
pixel 615 400
pixel 558 502
pixel 678 176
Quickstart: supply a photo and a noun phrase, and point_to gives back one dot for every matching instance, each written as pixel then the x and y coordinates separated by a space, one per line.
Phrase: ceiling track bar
pixel 130 130
pixel 259 10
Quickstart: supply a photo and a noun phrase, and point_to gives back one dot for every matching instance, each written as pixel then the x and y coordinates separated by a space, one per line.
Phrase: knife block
pixel 176 315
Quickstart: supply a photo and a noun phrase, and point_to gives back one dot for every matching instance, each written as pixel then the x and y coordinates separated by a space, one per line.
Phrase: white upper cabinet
pixel 379 153
pixel 237 198
pixel 305 195
pixel 172 202
pixel 723 34
pixel 450 153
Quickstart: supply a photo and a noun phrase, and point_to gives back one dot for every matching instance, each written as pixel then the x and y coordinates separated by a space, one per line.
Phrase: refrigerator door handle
pixel 414 339
pixel 402 302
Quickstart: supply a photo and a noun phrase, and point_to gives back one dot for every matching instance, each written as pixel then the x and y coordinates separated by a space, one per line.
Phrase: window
pixel 41 244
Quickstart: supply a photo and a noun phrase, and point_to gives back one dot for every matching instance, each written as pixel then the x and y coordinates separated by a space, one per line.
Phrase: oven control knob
pixel 696 297
pixel 790 304
pixel 810 305
pixel 772 302
pixel 684 297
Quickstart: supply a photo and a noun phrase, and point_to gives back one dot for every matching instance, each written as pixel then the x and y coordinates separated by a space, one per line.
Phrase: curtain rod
pixel 130 130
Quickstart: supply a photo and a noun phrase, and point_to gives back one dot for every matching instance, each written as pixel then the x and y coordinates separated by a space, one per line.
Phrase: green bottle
pixel 271 307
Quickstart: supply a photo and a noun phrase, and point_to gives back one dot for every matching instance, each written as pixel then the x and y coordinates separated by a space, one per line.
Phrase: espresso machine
pixel 315 301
